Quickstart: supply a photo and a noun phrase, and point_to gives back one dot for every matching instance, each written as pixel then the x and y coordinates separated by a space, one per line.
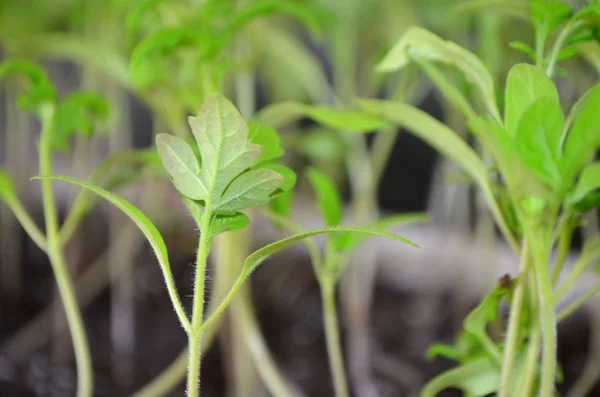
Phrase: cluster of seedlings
pixel 533 164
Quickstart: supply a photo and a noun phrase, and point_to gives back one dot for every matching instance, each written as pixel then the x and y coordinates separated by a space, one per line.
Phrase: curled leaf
pixel 81 112
pixel 38 88
pixel 419 43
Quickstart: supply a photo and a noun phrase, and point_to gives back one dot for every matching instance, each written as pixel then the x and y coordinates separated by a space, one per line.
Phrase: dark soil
pixel 287 302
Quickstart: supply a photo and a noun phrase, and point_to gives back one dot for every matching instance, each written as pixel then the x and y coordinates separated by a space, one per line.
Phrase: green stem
pixel 558 44
pixel 174 373
pixel 61 273
pixel 548 319
pixel 193 380
pixel 564 244
pixel 334 348
pixel 582 263
pixel 30 227
pixel 540 41
pixel 512 338
pixel 567 311
pixel 255 343
pixel 530 372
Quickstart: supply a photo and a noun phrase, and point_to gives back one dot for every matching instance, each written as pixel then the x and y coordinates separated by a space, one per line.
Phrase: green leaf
pixel 349 241
pixel 251 189
pixel 7 185
pixel 321 144
pixel 587 33
pixel 591 13
pixel 345 120
pixel 289 69
pixel 583 138
pixel 548 14
pixel 433 132
pixel 486 312
pixel 38 88
pixel 330 203
pixel 282 204
pixel 589 181
pixel 262 254
pixel 254 9
pixel 443 350
pixel 195 208
pixel 418 43
pixel 182 165
pixel 146 64
pixel 150 232
pixel 452 93
pixel 279 114
pixel 567 53
pixel 289 177
pixel 538 140
pixel 222 137
pixel 228 223
pixel 110 174
pixel 477 378
pixel 523 47
pixel 467 348
pixel 80 112
pixel 588 203
pixel 525 84
pixel 445 141
pixel 267 138
pixel 136 16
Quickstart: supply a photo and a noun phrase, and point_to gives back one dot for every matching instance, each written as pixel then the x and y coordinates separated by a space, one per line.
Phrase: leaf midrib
pixel 196 176
pixel 247 188
pixel 217 160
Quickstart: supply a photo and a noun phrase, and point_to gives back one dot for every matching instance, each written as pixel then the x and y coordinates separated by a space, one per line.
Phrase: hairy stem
pixel 512 337
pixel 57 260
pixel 548 319
pixel 193 380
pixel 334 348
pixel 167 380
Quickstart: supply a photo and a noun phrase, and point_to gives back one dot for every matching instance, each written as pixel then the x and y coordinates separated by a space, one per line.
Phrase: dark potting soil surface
pixel 287 302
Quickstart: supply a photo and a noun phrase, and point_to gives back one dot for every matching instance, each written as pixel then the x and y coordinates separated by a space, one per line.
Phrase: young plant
pixel 330 264
pixel 235 172
pixel 79 112
pixel 542 161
